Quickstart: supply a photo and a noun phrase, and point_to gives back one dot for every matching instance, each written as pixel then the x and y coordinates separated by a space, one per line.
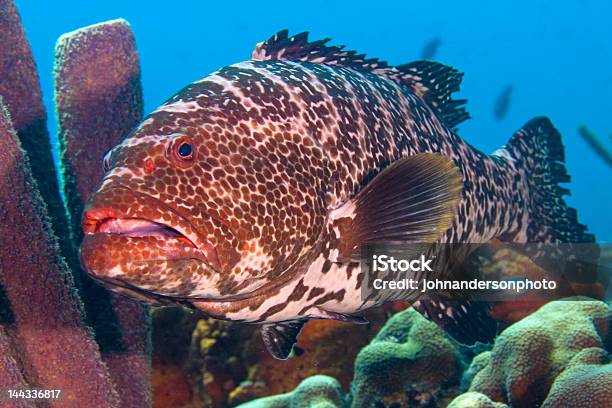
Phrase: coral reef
pixel 499 262
pixel 324 347
pixel 409 360
pixel 556 357
pixel 475 400
pixel 318 391
pixel 582 386
pixel 227 363
pixel 171 386
pixel 479 361
pixel 45 332
pixel 216 357
pixel 529 355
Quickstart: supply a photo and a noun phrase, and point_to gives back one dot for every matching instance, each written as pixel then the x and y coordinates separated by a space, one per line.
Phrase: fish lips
pixel 124 230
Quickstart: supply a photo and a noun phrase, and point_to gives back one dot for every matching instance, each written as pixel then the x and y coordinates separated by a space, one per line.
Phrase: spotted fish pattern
pixel 246 193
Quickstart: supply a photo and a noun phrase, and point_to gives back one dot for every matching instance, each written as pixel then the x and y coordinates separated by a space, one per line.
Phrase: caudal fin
pixel 537 149
pixel 564 247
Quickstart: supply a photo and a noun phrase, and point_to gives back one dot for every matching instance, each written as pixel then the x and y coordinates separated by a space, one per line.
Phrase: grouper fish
pixel 248 194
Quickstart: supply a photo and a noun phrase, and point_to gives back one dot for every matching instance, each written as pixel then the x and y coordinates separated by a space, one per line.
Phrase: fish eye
pixel 181 152
pixel 185 151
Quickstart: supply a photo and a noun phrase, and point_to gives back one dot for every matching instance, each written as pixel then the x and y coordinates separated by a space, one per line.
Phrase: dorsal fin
pixel 297 48
pixel 433 82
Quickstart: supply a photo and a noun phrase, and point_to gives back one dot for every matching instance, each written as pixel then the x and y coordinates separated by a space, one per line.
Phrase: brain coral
pixel 409 360
pixel 475 400
pixel 582 386
pixel 530 354
pixel 319 391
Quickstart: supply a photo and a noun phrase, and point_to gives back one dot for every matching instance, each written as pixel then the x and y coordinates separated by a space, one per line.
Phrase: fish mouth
pixel 108 224
pixel 95 222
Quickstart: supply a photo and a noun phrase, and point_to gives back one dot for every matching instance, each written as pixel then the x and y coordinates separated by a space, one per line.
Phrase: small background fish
pixel 430 49
pixel 502 103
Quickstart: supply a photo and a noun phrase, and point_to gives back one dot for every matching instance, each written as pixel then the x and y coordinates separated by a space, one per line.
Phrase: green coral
pixel 530 354
pixel 478 363
pixel 319 391
pixel 475 400
pixel 411 359
pixel 582 386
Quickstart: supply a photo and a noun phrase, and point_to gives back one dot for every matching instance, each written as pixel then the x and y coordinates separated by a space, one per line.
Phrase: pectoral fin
pixel 414 200
pixel 280 338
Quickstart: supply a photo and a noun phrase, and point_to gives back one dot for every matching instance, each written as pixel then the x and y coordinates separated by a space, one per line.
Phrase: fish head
pixel 206 199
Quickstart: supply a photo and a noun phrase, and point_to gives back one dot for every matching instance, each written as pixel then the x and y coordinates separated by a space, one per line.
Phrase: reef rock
pixel 530 354
pixel 319 391
pixel 216 359
pixel 410 361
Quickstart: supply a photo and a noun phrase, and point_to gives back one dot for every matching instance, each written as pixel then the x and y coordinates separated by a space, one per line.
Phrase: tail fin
pixel 564 247
pixel 537 149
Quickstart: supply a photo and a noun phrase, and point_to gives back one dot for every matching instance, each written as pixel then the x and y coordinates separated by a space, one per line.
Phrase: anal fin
pixel 465 321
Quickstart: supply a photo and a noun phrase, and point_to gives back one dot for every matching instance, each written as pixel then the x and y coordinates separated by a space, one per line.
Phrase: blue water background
pixel 556 54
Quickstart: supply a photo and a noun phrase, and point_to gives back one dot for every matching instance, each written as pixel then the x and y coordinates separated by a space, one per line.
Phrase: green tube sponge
pixel 410 359
pixel 319 391
pixel 43 317
pixel 530 354
pixel 99 101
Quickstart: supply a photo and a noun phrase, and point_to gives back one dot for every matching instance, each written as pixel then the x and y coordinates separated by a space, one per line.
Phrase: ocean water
pixel 555 54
